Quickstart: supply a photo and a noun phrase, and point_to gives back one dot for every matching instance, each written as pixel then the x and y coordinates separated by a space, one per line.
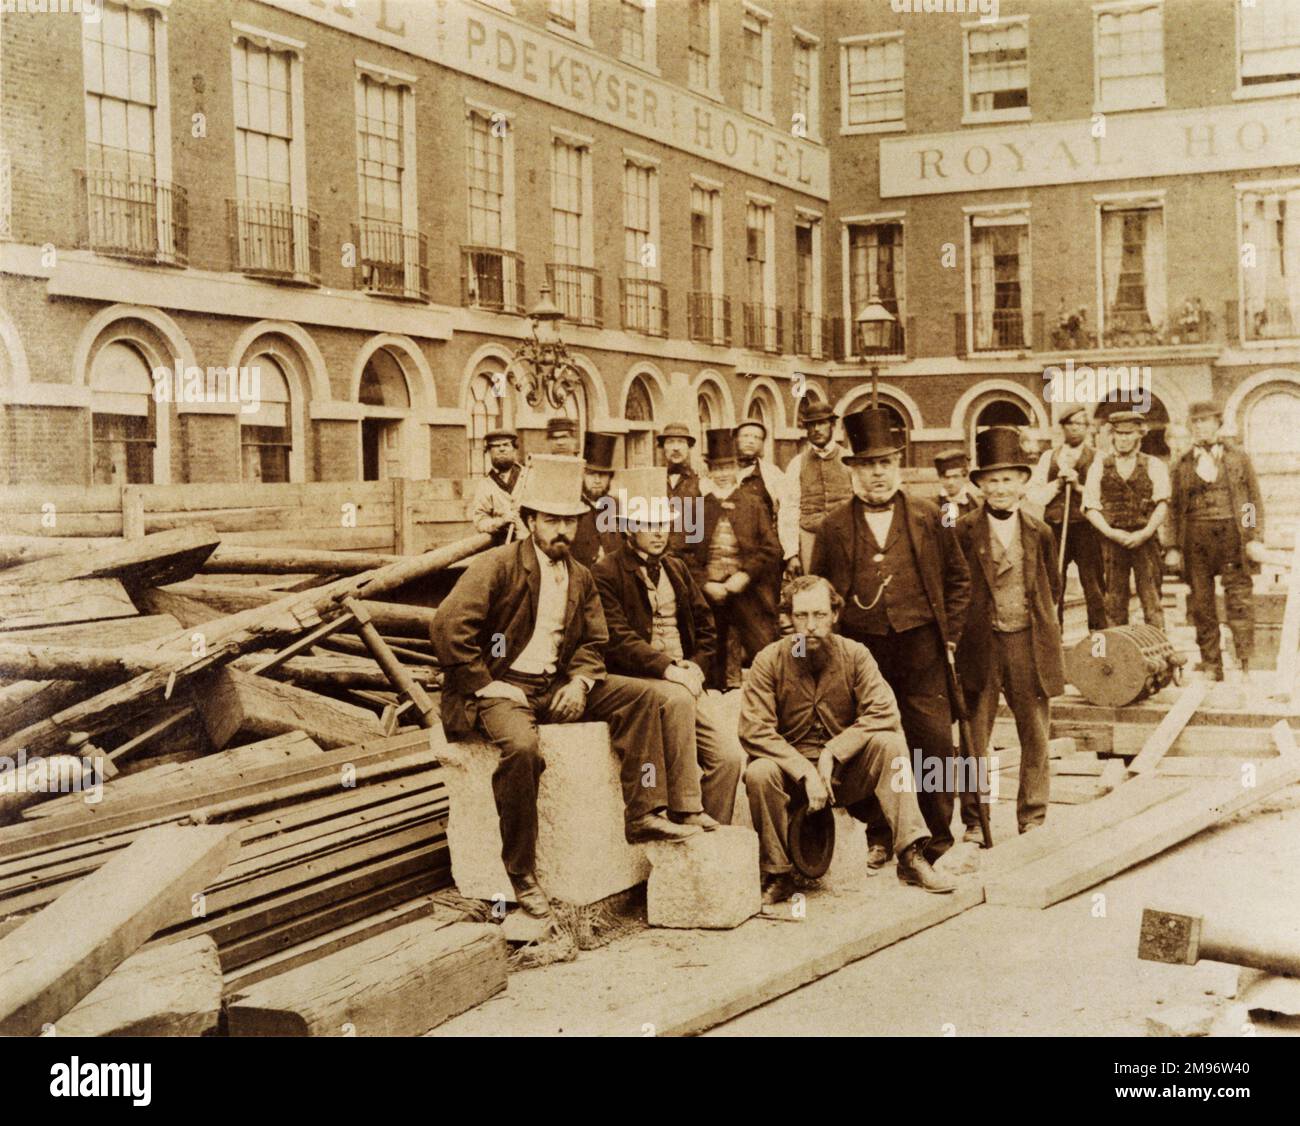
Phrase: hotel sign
pixel 477 41
pixel 1107 147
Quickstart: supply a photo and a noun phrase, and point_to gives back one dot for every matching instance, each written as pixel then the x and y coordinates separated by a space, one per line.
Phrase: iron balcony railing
pixel 391 260
pixel 810 333
pixel 133 217
pixel 578 292
pixel 274 240
pixel 1003 330
pixel 644 305
pixel 1270 319
pixel 764 328
pixel 491 278
pixel 708 318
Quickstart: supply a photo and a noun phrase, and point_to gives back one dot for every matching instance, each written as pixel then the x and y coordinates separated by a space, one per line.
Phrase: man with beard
pixel 676 441
pixel 907 588
pixel 661 628
pixel 597 534
pixel 959 495
pixel 817 715
pixel 766 484
pixel 519 640
pixel 737 559
pixel 816 479
pixel 493 509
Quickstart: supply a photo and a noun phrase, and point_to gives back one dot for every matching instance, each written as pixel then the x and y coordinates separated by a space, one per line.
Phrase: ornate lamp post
pixel 541 369
pixel 874 326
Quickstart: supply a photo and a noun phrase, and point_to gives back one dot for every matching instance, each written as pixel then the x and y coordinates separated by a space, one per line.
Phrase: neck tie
pixel 652 571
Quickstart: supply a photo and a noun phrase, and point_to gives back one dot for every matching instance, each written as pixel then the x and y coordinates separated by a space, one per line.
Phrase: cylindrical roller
pixel 1119 666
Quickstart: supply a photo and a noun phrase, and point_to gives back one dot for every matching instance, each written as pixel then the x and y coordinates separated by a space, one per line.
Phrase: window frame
pixel 1241 190
pixel 1011 113
pixel 848 225
pixel 1010 215
pixel 1121 202
pixel 486 113
pixel 580 32
pixel 846 44
pixel 1119 7
pixel 649 62
pixel 713 89
pixel 815 222
pixel 763 18
pixel 713 189
pixel 807 41
pixel 1244 92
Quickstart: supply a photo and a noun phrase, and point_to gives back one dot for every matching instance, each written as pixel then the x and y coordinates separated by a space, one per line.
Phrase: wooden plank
pixel 101 635
pixel 57 957
pixel 78 600
pixel 169 990
pixel 70 524
pixel 1169 728
pixel 1105 854
pixel 1202 767
pixel 283 561
pixel 132 512
pixel 400 983
pixel 61 499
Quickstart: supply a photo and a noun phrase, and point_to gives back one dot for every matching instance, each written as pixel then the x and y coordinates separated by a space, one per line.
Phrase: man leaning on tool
pixel 519 640
pixel 816 479
pixel 816 714
pixel 907 587
pixel 493 508
pixel 661 628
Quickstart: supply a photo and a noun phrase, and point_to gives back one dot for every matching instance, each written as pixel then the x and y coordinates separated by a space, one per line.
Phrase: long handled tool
pixel 969 750
pixel 1060 559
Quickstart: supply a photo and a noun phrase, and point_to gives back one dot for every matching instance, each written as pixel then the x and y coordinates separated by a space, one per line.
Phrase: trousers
pixel 880 772
pixel 1012 674
pixel 1083 550
pixel 1214 549
pixel 652 732
pixel 752 616
pixel 717 749
pixel 1145 564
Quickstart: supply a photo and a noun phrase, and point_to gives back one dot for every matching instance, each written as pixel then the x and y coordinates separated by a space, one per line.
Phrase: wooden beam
pixel 1169 728
pixel 77 600
pixel 57 957
pixel 235 560
pixel 167 557
pixel 399 983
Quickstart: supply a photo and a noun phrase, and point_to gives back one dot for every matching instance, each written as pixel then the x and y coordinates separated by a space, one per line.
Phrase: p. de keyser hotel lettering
pixel 496 48
pixel 1131 146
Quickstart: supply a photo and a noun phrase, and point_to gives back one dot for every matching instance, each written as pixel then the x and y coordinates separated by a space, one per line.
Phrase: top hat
pixel 719 445
pixel 500 436
pixel 561 425
pixel 954 458
pixel 1204 409
pixel 598 450
pixel 1127 420
pixel 812 408
pixel 675 430
pixel 553 485
pixel 751 422
pixel 1070 412
pixel 871 434
pixel 643 494
pixel 998 447
pixel 811 839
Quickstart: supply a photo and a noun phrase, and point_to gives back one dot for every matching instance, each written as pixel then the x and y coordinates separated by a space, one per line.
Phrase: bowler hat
pixel 812 408
pixel 751 422
pixel 553 485
pixel 812 840
pixel 998 447
pixel 500 436
pixel 598 450
pixel 1204 409
pixel 870 433
pixel 1070 412
pixel 1128 420
pixel 954 458
pixel 561 425
pixel 719 445
pixel 675 430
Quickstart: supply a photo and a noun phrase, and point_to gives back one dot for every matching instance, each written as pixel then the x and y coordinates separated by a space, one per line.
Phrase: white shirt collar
pixel 1004 529
pixel 548 565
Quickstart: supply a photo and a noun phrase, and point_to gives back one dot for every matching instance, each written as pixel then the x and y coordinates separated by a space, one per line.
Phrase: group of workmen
pixel 869 618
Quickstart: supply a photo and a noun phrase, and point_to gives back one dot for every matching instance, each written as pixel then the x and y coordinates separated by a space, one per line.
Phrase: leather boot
pixel 914 869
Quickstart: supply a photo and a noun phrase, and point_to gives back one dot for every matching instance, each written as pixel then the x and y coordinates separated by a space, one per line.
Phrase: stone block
pixel 709 881
pixel 1181 1021
pixel 582 855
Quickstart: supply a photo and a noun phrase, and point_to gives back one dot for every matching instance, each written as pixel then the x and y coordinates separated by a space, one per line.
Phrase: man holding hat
pixel 1126 497
pixel 816 479
pixel 767 484
pixel 493 508
pixel 676 441
pixel 1217 515
pixel 737 559
pixel 661 628
pixel 562 436
pixel 959 496
pixel 519 640
pixel 1058 486
pixel 598 526
pixel 1012 642
pixel 906 586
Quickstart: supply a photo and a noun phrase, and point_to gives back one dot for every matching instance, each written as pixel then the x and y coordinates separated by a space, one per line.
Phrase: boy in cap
pixel 959 495
pixel 816 478
pixel 597 534
pixel 1126 497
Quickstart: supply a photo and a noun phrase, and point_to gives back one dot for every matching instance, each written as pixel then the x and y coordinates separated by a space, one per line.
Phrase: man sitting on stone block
pixel 817 713
pixel 661 627
pixel 520 640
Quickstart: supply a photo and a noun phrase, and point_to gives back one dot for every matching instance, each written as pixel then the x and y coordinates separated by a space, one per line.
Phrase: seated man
pixel 661 628
pixel 817 713
pixel 519 639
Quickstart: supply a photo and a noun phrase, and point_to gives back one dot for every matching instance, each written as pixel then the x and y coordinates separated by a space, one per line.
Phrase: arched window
pixel 383 390
pixel 996 411
pixel 1271 423
pixel 708 403
pixel 266 435
pixel 123 416
pixel 491 407
pixel 578 406
pixel 639 443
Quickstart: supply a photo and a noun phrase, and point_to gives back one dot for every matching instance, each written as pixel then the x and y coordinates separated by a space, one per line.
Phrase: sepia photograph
pixel 650 518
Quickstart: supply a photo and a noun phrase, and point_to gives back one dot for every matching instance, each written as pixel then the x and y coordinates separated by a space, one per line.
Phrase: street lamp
pixel 541 369
pixel 875 327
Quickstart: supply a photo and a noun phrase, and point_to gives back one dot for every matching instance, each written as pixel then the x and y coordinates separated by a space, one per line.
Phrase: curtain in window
pixel 1112 255
pixel 1153 267
pixel 982 274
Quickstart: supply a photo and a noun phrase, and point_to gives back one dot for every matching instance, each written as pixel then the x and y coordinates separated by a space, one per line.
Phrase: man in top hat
pixel 816 479
pixel 1126 497
pixel 519 640
pixel 737 560
pixel 562 436
pixel 767 484
pixel 598 526
pixel 676 441
pixel 906 586
pixel 959 495
pixel 1217 515
pixel 1057 485
pixel 816 715
pixel 1012 642
pixel 661 628
pixel 493 508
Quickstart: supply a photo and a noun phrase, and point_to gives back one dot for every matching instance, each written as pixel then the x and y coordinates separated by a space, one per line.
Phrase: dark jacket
pixel 497 597
pixel 687 492
pixel 760 550
pixel 626 602
pixel 1041 593
pixel 590 542
pixel 944 573
pixel 1243 489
